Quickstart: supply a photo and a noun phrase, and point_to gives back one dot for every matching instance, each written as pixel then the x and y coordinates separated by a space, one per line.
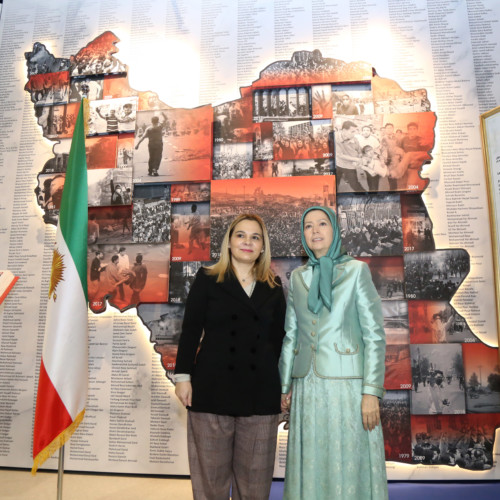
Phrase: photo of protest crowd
pixel 395 418
pixel 151 220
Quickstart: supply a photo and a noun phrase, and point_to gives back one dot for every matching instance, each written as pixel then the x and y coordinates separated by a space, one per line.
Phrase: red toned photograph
pixel 263 141
pixel 149 101
pixel 125 151
pixel 417 225
pixel 57 122
pixel 127 275
pixel 387 275
pixel 115 86
pixel 101 151
pixel 233 121
pixel 280 202
pixel 322 101
pixel 463 440
pixel 185 192
pixel 482 378
pixel 437 322
pixel 48 89
pixel 109 225
pixel 190 232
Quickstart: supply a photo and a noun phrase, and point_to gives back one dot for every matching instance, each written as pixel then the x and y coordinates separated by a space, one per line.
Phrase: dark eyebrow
pixel 244 232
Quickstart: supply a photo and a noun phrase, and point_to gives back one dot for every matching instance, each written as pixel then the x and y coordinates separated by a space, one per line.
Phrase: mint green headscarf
pixel 320 291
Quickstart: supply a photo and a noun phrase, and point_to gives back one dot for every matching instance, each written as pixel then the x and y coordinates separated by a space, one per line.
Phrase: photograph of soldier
pixel 182 275
pixel 435 275
pixel 48 89
pixel 279 201
pixel 232 161
pixel 370 224
pixel 101 151
pixel 164 321
pixel 112 116
pixel 57 122
pixel 395 418
pixel 437 322
pixel 387 275
pixel 233 121
pixel 302 140
pixel 463 440
pixel 482 378
pixel 151 220
pixel 390 98
pixel 352 102
pixel 40 60
pixel 292 168
pixel 190 232
pixel 185 192
pixel 263 141
pixel 179 145
pixel 417 225
pixel 119 284
pixel 90 87
pixel 438 373
pixel 291 103
pixel 397 356
pixel 109 187
pixel 110 224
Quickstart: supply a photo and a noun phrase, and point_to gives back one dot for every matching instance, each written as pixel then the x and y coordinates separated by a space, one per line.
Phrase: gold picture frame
pixel 490 137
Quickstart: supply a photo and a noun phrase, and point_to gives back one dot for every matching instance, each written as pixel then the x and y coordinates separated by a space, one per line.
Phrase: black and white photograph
pixel 232 161
pixel 437 322
pixel 151 220
pixel 186 191
pixel 290 103
pixel 182 275
pixel 109 225
pixel 190 232
pixel 292 168
pixel 263 141
pixel 395 418
pixel 396 326
pixel 47 89
pixel 346 101
pixel 303 140
pixel 370 224
pixel 466 440
pixel 49 194
pixel 435 275
pixel 40 61
pixel 59 161
pixel 109 187
pixel 387 275
pixel 111 116
pixel 90 87
pixel 233 121
pixel 482 378
pixel 438 374
pixel 390 98
pixel 284 267
pixel 417 225
pixel 279 201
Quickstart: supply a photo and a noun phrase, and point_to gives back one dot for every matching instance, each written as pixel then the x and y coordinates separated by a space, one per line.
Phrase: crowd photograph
pixel 395 417
pixel 232 161
pixel 151 220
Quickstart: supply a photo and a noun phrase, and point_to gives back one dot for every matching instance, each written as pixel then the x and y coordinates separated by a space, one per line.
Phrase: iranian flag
pixel 63 380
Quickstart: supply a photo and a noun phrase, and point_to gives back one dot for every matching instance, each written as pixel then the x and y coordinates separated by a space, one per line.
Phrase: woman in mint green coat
pixel 332 372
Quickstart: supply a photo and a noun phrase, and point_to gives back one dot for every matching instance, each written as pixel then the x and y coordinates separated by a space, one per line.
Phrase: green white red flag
pixel 63 380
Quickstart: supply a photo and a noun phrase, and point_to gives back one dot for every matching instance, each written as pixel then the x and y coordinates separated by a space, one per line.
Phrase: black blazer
pixel 235 370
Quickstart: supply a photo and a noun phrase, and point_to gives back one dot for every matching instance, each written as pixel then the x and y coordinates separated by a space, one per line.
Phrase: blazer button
pixel 314 321
pixel 313 334
pixel 313 347
pixel 347 350
pixel 295 351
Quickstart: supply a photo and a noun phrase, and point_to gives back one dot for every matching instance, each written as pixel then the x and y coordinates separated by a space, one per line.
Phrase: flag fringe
pixel 58 441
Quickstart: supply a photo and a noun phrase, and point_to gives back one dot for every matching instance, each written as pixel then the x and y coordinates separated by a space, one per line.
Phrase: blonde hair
pixel 262 266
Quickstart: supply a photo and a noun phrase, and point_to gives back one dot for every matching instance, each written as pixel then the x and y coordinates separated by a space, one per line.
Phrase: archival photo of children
pixel 47 89
pixel 290 103
pixel 387 275
pixel 90 87
pixel 417 225
pixel 126 275
pixel 438 373
pixel 302 140
pixel 164 321
pixel 112 116
pixel 370 224
pixel 397 356
pixel 437 322
pixel 233 121
pixel 232 161
pixel 395 418
pixel 435 275
pixel 190 232
pixel 109 225
pixel 109 187
pixel 482 378
pixel 182 275
pixel 463 440
pixel 279 201
pixel 184 192
pixel 292 168
pixel 173 145
pixel 101 151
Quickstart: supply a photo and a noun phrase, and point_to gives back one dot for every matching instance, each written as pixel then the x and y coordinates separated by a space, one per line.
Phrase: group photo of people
pixel 282 104
pixel 111 116
pixel 184 192
pixel 233 122
pixel 57 122
pixel 395 417
pixel 48 89
pixel 109 186
pixel 151 220
pixel 232 161
pixel 292 168
pixel 110 225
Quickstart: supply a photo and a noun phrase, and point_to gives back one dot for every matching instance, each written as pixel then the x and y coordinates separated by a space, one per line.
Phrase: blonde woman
pixel 229 379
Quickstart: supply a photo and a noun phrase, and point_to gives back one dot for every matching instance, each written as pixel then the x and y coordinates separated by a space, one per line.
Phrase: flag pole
pixel 60 472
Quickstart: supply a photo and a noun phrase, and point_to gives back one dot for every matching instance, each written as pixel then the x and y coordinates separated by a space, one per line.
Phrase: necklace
pixel 246 277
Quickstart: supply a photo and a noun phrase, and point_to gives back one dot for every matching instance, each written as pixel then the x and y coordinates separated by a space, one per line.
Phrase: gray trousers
pixel 231 453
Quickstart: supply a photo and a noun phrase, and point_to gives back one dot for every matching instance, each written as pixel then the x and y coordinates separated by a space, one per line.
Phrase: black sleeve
pixel 278 327
pixel 194 321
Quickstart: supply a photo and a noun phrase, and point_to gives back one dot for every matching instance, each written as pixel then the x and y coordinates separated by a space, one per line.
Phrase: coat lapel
pixel 306 275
